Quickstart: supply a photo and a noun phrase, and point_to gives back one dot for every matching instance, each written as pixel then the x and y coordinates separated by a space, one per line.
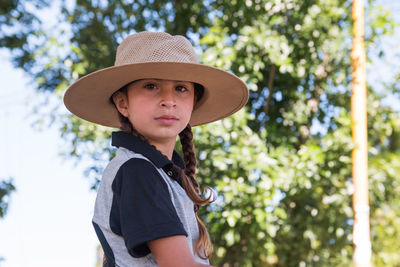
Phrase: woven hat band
pixel 147 47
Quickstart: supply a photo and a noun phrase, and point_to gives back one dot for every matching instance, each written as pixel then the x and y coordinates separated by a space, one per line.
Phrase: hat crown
pixel 155 47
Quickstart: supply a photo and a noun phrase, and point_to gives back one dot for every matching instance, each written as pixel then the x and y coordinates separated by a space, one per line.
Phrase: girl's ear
pixel 121 102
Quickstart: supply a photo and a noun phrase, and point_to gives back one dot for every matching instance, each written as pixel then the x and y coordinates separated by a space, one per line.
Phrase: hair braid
pixel 186 138
pixel 192 189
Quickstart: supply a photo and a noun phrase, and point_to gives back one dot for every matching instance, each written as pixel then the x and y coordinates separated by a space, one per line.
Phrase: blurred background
pixel 281 167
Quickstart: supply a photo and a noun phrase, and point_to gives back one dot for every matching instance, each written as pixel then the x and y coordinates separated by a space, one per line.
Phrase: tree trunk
pixel 361 235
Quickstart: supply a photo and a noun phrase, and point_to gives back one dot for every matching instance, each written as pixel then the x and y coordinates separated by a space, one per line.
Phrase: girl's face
pixel 158 109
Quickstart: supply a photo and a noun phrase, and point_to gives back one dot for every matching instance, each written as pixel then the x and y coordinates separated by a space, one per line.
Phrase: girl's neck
pixel 166 148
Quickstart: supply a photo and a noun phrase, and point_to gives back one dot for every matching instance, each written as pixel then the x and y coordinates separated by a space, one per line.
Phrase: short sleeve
pixel 142 209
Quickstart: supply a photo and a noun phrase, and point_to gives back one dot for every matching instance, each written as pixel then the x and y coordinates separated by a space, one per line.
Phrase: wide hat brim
pixel 89 97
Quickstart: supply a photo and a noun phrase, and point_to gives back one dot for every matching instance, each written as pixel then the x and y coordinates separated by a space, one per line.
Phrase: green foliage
pixel 289 55
pixel 273 199
pixel 17 27
pixel 282 166
pixel 384 181
pixel 6 188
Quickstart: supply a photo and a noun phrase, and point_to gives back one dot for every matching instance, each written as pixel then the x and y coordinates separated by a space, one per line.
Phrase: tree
pixel 282 166
pixel 15 29
pixel 361 240
pixel 6 188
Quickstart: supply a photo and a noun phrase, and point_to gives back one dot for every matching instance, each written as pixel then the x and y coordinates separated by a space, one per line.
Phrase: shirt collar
pixel 133 143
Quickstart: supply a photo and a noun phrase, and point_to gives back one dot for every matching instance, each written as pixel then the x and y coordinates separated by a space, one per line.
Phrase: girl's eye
pixel 181 88
pixel 150 86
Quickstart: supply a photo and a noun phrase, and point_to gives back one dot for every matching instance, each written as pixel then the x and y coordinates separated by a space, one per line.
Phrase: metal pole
pixel 361 231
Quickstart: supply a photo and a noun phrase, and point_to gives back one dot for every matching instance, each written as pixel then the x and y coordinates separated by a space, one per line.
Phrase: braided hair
pixel 204 247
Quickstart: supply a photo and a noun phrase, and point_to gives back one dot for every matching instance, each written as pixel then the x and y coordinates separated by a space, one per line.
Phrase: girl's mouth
pixel 167 119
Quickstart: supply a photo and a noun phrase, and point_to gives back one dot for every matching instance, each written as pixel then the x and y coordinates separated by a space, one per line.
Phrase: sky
pixel 49 218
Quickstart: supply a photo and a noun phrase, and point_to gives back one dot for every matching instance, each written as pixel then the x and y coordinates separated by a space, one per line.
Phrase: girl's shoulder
pixel 124 154
pixel 122 157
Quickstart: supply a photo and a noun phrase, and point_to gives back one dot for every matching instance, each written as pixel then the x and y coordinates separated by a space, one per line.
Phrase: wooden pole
pixel 361 231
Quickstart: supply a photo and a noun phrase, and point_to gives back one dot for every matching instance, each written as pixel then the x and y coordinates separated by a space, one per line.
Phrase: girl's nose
pixel 167 99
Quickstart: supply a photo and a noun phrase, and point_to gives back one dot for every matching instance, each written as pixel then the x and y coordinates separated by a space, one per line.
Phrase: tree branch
pixel 270 88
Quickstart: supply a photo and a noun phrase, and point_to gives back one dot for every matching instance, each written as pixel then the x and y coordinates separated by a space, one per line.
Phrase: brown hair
pixel 187 175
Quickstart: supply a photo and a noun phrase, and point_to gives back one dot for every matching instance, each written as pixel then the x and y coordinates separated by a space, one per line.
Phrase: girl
pixel 148 198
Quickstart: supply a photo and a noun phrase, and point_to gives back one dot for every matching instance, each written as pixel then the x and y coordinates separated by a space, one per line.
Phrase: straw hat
pixel 156 55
